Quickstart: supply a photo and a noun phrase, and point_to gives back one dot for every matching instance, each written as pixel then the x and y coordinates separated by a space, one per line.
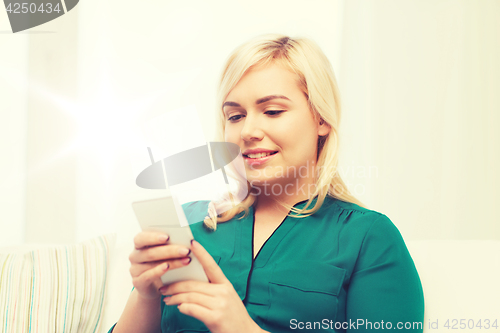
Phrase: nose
pixel 251 130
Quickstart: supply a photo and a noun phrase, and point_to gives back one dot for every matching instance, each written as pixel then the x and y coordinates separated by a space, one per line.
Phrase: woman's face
pixel 268 117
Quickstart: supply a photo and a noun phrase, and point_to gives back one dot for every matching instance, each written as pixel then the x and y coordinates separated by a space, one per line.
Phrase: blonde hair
pixel 303 57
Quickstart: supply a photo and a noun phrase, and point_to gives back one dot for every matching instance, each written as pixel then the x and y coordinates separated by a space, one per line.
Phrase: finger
pixel 192 297
pixel 149 238
pixel 150 276
pixel 138 269
pixel 190 286
pixel 213 271
pixel 156 253
pixel 197 311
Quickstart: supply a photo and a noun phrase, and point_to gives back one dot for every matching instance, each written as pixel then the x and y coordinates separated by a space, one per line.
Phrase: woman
pixel 299 252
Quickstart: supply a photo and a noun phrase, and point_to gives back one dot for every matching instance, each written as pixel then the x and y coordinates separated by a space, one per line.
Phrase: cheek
pixel 231 134
pixel 299 147
pixel 288 135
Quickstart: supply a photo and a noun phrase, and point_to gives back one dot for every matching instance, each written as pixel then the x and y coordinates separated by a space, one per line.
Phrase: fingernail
pixel 165 266
pixel 186 261
pixel 166 299
pixel 163 238
pixel 184 251
pixel 162 289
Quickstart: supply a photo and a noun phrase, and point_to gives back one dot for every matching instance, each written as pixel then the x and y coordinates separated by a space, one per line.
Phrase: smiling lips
pixel 258 156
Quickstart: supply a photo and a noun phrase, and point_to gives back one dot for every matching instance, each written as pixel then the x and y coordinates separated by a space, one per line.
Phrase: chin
pixel 259 182
pixel 267 183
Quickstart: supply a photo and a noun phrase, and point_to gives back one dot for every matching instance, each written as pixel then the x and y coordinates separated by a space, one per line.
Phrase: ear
pixel 323 128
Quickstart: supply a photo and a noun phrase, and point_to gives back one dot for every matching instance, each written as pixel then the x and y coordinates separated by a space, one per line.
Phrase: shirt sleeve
pixel 384 290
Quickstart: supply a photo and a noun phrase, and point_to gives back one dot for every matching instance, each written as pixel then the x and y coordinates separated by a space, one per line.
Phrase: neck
pixel 300 191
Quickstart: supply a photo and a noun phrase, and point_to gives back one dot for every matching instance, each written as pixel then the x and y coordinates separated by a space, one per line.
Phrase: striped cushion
pixel 54 289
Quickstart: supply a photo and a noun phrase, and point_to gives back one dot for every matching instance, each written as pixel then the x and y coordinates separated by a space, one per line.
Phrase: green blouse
pixel 343 269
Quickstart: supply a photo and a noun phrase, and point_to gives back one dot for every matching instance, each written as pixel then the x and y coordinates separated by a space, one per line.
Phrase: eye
pixel 274 112
pixel 235 118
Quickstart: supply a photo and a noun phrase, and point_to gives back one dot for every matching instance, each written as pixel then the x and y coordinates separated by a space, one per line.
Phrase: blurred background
pixel 81 97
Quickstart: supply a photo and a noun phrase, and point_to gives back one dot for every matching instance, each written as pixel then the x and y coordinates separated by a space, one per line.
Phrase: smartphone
pixel 166 215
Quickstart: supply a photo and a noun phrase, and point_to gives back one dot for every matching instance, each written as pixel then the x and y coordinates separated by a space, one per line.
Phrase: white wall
pixel 13 108
pixel 418 81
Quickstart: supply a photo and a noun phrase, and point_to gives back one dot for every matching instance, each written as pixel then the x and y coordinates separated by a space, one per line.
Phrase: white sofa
pixel 461 280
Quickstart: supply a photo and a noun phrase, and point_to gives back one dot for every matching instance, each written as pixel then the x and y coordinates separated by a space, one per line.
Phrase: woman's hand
pixel 152 257
pixel 216 304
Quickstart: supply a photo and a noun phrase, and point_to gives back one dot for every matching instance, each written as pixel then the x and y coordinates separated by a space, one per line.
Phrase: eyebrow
pixel 259 101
